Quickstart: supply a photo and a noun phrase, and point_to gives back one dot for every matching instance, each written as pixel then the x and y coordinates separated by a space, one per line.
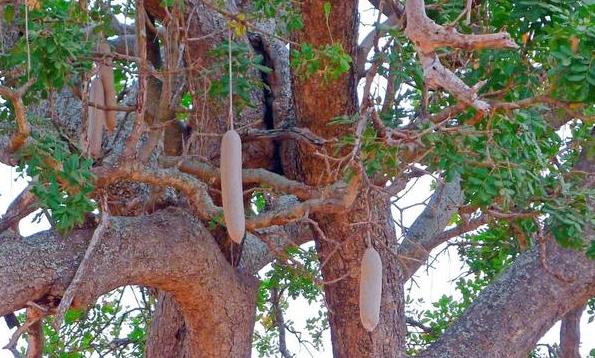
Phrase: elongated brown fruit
pixel 106 73
pixel 95 122
pixel 231 185
pixel 370 289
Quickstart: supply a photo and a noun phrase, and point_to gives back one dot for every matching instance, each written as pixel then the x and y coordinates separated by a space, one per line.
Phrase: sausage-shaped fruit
pixel 95 120
pixel 370 289
pixel 231 185
pixel 106 73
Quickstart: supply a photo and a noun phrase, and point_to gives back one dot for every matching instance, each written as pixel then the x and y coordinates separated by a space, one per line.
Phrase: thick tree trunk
pixel 341 254
pixel 168 250
pixel 523 303
pixel 340 251
pixel 570 333
pixel 168 332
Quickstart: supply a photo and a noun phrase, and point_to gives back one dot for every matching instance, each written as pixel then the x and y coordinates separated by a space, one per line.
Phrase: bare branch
pixel 428 36
pixel 461 229
pixel 24 204
pixel 195 190
pixel 331 199
pixel 367 44
pixel 80 272
pixel 211 175
pixel 141 98
pixel 415 323
pixel 301 134
pixel 16 98
pixel 340 198
pixel 279 322
pixel 426 231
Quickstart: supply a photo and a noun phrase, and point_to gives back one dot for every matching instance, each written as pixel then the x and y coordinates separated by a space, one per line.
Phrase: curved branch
pixel 496 323
pixel 24 204
pixel 16 98
pixel 427 230
pixel 168 250
pixel 211 175
pixel 428 35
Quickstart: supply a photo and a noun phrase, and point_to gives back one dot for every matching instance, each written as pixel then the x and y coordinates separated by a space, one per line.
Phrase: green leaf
pixel 326 9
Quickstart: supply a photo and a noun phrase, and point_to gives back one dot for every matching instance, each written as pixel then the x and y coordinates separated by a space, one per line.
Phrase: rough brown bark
pixel 523 304
pixel 341 249
pixel 206 308
pixel 217 302
pixel 570 333
pixel 167 334
pixel 341 252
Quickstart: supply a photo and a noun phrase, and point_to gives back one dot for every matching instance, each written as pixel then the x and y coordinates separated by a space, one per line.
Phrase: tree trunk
pixel 167 333
pixel 341 254
pixel 570 333
pixel 340 251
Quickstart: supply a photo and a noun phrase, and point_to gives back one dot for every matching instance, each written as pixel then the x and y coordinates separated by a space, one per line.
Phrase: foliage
pixel 486 253
pixel 243 63
pixel 328 61
pixel 286 283
pixel 57 50
pixel 62 180
pixel 108 328
pixel 283 10
pixel 510 161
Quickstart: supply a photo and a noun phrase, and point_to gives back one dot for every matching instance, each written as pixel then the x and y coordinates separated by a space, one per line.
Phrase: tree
pixel 120 125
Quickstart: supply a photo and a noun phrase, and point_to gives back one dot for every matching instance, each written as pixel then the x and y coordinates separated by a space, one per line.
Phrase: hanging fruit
pixel 231 185
pixel 370 289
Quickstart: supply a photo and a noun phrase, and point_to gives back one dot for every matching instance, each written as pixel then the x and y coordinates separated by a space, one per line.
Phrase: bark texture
pixel 213 298
pixel 206 300
pixel 570 333
pixel 340 251
pixel 523 303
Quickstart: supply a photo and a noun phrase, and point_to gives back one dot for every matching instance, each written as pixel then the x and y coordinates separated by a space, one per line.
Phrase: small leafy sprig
pixel 329 61
pixel 62 180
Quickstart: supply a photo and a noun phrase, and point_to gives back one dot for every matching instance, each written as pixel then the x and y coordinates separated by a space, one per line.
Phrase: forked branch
pixel 428 36
pixel 16 98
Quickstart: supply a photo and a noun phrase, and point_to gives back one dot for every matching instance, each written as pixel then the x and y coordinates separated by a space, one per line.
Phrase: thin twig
pixel 80 272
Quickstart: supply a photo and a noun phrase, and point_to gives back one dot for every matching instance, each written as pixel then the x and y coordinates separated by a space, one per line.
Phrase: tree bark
pixel 167 334
pixel 168 250
pixel 340 251
pixel 514 312
pixel 570 333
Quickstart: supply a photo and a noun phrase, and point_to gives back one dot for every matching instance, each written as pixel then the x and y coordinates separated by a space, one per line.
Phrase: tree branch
pixel 279 321
pixel 428 36
pixel 169 250
pixel 211 175
pixel 497 321
pixel 16 98
pixel 426 231
pixel 24 204
pixel 570 333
